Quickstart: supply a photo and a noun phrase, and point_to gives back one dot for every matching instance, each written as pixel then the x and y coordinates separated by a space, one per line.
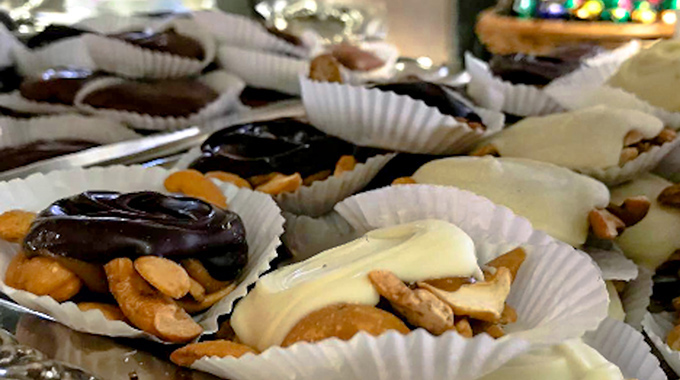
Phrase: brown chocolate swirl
pixel 98 226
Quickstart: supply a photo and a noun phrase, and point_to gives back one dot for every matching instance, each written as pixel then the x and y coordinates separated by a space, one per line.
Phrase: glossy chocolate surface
pixel 434 95
pixel 176 98
pixel 282 145
pixel 167 41
pixel 290 38
pixel 51 34
pixel 98 226
pixel 355 58
pixel 56 85
pixel 541 70
pixel 17 156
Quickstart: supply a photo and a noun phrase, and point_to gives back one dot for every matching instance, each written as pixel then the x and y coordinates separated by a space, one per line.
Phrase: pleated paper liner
pixel 17 132
pixel 69 52
pixel 236 30
pixel 657 327
pixel 263 69
pixel 625 347
pixel 582 96
pixel 387 52
pixel 261 216
pixel 320 197
pixel 613 265
pixel 111 23
pixel 379 119
pixel 15 102
pixel 125 59
pixel 669 167
pixel 8 42
pixel 305 236
pixel 228 87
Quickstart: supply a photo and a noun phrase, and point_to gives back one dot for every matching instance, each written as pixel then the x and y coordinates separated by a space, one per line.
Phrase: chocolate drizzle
pixel 98 226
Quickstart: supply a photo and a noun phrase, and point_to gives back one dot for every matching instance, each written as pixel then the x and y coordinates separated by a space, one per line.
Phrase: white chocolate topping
pixel 615 305
pixel 415 251
pixel 585 138
pixel 650 242
pixel 554 199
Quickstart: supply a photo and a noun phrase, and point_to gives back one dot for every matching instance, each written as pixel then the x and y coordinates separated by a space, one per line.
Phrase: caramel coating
pixel 111 312
pixel 14 225
pixel 343 321
pixel 187 355
pixel 165 275
pixel 194 184
pixel 42 276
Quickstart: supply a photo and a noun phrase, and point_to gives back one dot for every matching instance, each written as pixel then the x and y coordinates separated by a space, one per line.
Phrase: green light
pixel 524 8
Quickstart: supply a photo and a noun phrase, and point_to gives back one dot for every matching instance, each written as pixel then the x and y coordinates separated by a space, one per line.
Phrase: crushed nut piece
pixel 345 164
pixel 633 137
pixel 632 210
pixel 281 184
pixel 604 224
pixel 187 355
pixel 486 150
pixel 670 196
pixel 404 181
pixel 512 260
pixel 463 327
pixel 628 154
pixel 666 135
pixel 508 316
pixel 325 68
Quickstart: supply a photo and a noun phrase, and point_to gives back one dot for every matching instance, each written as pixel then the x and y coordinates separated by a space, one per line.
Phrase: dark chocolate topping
pixel 282 145
pixel 98 226
pixel 14 157
pixel 53 33
pixel 56 85
pixel 434 95
pixel 176 98
pixel 290 38
pixel 167 41
pixel 355 58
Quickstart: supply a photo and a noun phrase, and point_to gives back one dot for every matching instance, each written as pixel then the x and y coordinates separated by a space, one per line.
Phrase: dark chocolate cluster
pixel 98 226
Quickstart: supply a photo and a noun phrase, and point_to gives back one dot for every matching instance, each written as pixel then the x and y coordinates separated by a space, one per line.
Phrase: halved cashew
pixel 482 300
pixel 14 225
pixel 464 328
pixel 670 196
pixel 42 276
pixel 604 224
pixel 633 137
pixel 197 271
pixel 325 68
pixel 420 307
pixel 229 177
pixel 628 154
pixel 632 210
pixel 194 184
pixel 165 275
pixel 196 290
pixel 666 135
pixel 111 312
pixel 196 306
pixel 404 181
pixel 187 355
pixel 486 150
pixel 259 179
pixel 281 184
pixel 512 260
pixel 320 176
pixel 146 307
pixel 345 164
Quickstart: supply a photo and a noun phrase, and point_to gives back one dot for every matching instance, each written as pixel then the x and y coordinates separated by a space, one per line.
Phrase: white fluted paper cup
pixel 305 236
pixel 123 58
pixel 613 265
pixel 8 42
pixel 669 167
pixel 263 69
pixel 583 96
pixel 228 87
pixel 320 197
pixel 559 292
pixel 69 52
pixel 387 52
pixel 380 119
pixel 236 30
pixel 625 347
pixel 636 297
pixel 110 23
pixel 17 132
pixel 261 216
pixel 15 102
pixel 657 327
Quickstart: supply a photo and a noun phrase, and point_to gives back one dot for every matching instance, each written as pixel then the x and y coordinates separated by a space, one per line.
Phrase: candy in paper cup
pixel 669 167
pixel 387 52
pixel 69 52
pixel 320 197
pixel 110 23
pixel 261 216
pixel 625 347
pixel 228 87
pixel 263 69
pixel 15 102
pixel 657 327
pixel 123 58
pixel 305 236
pixel 236 30
pixel 380 119
pixel 17 132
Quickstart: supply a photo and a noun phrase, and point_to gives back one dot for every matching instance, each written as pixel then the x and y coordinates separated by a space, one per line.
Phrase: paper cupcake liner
pixel 657 327
pixel 8 42
pixel 69 52
pixel 263 69
pixel 495 94
pixel 228 87
pixel 636 297
pixel 17 132
pixel 558 293
pixel 261 216
pixel 305 236
pixel 123 58
pixel 236 30
pixel 582 96
pixel 388 53
pixel 15 102
pixel 625 347
pixel 669 167
pixel 614 265
pixel 371 117
pixel 111 23
pixel 319 198
pixel 417 355
pixel 644 163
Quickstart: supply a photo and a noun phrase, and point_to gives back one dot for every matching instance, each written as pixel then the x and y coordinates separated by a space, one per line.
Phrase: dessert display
pixel 16 156
pixel 52 34
pixel 56 85
pixel 167 41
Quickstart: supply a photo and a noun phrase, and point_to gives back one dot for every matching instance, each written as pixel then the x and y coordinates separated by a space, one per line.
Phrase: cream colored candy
pixel 554 199
pixel 653 75
pixel 572 360
pixel 590 138
pixel 650 242
pixel 414 251
pixel 615 304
